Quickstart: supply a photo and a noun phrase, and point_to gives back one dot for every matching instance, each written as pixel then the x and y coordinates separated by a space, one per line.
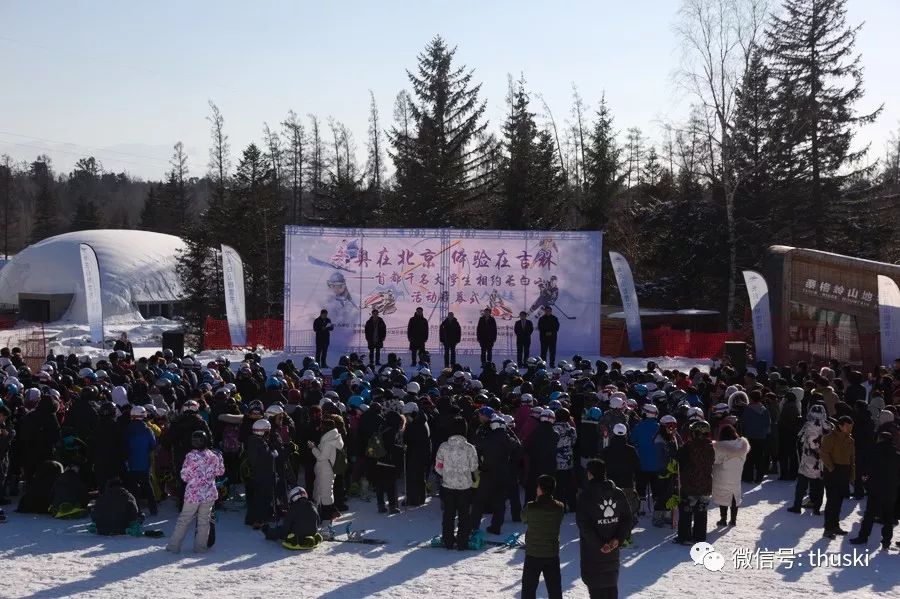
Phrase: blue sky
pixel 125 80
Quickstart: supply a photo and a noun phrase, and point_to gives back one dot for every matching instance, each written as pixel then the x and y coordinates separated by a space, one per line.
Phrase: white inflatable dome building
pixel 137 276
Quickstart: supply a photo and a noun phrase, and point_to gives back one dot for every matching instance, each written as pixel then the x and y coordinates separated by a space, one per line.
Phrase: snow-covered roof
pixel 135 267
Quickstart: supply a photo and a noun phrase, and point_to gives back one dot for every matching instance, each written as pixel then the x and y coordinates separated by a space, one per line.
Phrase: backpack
pixel 375 447
pixel 340 462
pixel 230 439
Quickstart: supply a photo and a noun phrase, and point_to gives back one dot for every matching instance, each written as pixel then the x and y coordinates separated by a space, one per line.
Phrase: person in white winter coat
pixel 326 454
pixel 457 462
pixel 809 474
pixel 731 453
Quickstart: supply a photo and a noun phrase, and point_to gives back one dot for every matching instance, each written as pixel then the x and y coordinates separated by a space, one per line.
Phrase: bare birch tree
pixel 717 40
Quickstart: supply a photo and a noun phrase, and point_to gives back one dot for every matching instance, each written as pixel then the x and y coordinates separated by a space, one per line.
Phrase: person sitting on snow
pixel 301 524
pixel 116 510
pixel 69 495
pixel 39 492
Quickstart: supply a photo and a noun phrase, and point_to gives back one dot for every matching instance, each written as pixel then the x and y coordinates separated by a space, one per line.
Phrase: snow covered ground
pixel 44 558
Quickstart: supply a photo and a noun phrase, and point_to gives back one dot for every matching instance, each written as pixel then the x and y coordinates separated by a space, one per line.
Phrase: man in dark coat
pixel 261 488
pixel 322 327
pixel 81 417
pixel 864 439
pixel 486 334
pixel 548 329
pixel 450 335
pixel 541 452
pixel 523 330
pixel 417 437
pixel 7 435
pixel 789 425
pixel 494 451
pixel 604 522
pixel 376 331
pixel 123 344
pixel 115 510
pixel 882 475
pixel 370 423
pixel 417 334
pixel 38 435
pixel 109 449
pixel 623 465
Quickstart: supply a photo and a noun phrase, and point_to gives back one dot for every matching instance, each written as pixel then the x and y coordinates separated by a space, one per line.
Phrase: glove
pixel 274 453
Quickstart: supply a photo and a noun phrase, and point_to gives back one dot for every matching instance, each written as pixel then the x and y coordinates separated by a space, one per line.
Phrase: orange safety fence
pixel 666 341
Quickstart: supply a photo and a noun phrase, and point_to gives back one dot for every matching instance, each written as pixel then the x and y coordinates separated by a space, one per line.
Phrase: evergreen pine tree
pixel 440 162
pixel 529 172
pixel 196 269
pixel 651 169
pixel 46 212
pixel 519 133
pixel 602 165
pixel 10 210
pixel 257 232
pixel 152 213
pixel 174 200
pixel 755 218
pixel 811 47
pixel 86 216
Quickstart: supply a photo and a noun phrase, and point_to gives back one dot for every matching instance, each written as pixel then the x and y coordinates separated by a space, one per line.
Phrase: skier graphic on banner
pixel 549 293
pixel 339 302
pixel 498 306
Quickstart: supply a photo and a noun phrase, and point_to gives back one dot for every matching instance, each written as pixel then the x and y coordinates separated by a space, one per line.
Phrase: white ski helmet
pixel 650 411
pixel 261 427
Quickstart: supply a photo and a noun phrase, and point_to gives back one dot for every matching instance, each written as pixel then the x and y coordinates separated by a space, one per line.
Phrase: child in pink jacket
pixel 201 467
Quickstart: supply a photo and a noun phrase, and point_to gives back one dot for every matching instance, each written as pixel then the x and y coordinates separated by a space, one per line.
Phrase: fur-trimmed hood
pixel 736 447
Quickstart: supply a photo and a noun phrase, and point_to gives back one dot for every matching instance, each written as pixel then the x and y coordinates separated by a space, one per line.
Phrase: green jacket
pixel 544 516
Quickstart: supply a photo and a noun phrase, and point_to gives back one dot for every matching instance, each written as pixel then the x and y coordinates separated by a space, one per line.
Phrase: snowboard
pixel 350 536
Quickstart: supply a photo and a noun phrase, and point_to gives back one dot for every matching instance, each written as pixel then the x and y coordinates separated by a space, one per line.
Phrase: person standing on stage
pixel 450 334
pixel 322 327
pixel 487 336
pixel 376 331
pixel 523 330
pixel 548 328
pixel 417 334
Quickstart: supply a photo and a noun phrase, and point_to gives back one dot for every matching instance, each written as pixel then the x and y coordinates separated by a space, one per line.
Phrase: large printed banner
pixel 758 292
pixel 625 281
pixel 235 304
pixel 889 319
pixel 351 271
pixel 90 268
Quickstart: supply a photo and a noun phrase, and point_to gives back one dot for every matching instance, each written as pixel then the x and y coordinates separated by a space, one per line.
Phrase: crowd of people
pixel 112 437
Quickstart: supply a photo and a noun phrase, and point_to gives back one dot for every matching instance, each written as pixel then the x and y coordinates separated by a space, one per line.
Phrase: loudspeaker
pixel 737 354
pixel 174 340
